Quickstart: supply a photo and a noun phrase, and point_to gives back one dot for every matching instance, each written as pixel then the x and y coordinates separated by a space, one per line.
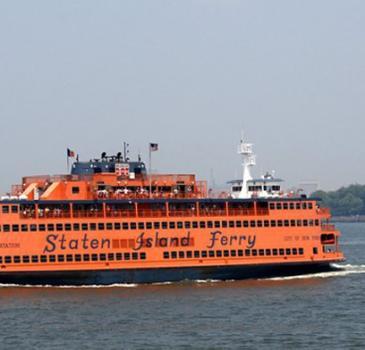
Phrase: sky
pixel 190 76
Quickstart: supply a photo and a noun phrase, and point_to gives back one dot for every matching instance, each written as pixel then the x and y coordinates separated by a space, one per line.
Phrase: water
pixel 324 310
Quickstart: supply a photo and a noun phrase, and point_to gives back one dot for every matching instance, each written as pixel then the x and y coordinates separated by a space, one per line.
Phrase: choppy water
pixel 324 310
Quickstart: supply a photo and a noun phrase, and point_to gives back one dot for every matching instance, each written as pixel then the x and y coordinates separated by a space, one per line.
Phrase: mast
pixel 248 161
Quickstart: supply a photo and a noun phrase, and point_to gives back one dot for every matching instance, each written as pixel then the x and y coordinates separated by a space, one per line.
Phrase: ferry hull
pixel 109 277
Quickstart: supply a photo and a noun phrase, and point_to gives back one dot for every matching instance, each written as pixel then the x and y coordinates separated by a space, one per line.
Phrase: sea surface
pixel 318 311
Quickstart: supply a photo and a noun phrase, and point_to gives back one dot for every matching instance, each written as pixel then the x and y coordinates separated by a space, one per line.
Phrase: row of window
pixel 157 225
pixel 232 253
pixel 291 205
pixel 60 258
pixel 6 209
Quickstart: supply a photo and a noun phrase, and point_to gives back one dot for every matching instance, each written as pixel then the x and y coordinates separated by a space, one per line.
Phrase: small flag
pixel 153 147
pixel 70 153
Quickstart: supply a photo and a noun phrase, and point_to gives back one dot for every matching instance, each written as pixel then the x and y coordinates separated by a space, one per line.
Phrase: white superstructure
pixel 248 187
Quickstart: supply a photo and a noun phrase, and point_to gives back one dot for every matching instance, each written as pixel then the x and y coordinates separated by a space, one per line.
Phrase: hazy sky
pixel 189 75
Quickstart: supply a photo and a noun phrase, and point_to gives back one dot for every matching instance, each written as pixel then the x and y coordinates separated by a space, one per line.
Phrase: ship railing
pixel 151 213
pixel 262 212
pixel 87 214
pixel 214 212
pixel 181 213
pixel 121 214
pixel 27 215
pixel 328 227
pixel 236 212
pixel 53 214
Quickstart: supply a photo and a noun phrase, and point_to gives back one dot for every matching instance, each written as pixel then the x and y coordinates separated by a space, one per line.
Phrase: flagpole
pixel 150 169
pixel 68 163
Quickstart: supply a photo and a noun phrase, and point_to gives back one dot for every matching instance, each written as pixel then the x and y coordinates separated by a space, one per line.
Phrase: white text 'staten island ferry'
pixel 110 221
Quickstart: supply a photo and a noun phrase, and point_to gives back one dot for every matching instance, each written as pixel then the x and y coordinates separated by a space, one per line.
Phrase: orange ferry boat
pixel 110 221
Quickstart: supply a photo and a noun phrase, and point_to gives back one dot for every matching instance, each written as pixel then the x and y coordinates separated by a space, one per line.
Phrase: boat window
pixel 301 251
pixel 240 252
pixel 291 206
pixel 111 256
pixel 280 223
pixel 118 256
pixel 24 228
pixel 254 252
pixel 164 225
pixel 195 224
pixel 285 206
pixel 261 252
pixel 281 251
pixel 297 206
pixel 173 255
pixel 266 223
pixel 224 224
pixel 202 224
pixel 15 228
pixel 286 223
pixel 8 260
pixel 305 222
pixel 292 223
pixel 310 205
pixel 34 258
pixel 295 251
pixel 189 254
pixel 76 227
pixel 245 223
pixel 5 209
pixel 14 209
pixel 148 225
pixel 304 205
pixel 156 225
pixel 141 225
pixel 211 253
pixel 247 252
pixel 210 224
pixel 299 223
pixel 272 206
pixel 43 258
pixel 288 251
pixel 275 252
pixel 253 223
pixel 52 258
pixel 143 256
pixel 278 206
pixel 26 259
pixel 166 255
pixel 75 190
pixel 196 254
pixel 315 250
pixel 273 223
pixel 268 252
pixel 117 226
pixel 259 223
pixel 133 225
pixel 231 224
pixel 125 226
